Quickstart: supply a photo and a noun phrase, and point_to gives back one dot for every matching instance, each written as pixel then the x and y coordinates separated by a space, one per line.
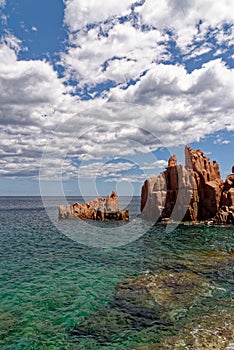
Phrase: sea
pixel 54 274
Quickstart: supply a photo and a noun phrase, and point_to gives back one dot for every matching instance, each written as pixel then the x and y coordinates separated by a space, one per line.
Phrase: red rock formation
pixel 181 193
pixel 98 209
pixel 225 215
pixel 208 181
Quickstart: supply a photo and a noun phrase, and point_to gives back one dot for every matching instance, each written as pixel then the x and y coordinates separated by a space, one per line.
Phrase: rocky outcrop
pixel 208 182
pixel 225 215
pixel 194 192
pixel 97 209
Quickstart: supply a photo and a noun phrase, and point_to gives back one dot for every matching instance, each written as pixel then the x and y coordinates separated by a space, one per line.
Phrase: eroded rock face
pixel 208 181
pixel 225 215
pixel 184 193
pixel 97 209
pixel 159 295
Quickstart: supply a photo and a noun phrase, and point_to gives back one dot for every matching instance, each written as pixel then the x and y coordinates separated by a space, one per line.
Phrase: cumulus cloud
pixel 79 13
pixel 187 19
pixel 194 104
pixel 124 54
pixel 2 3
pixel 151 101
pixel 110 49
pixel 29 90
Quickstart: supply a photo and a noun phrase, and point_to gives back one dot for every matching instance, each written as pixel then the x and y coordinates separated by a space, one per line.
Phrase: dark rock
pixel 161 295
pixel 219 263
pixel 8 323
pixel 103 325
pixel 211 332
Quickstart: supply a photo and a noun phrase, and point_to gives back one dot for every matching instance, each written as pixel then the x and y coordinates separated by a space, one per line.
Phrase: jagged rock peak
pixel 202 165
pixel 97 209
pixel 172 161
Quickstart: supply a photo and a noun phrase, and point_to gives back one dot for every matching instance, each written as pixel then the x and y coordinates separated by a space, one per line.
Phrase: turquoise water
pixel 50 283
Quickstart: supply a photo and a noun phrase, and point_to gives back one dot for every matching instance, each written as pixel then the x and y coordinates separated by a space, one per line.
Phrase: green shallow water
pixel 50 283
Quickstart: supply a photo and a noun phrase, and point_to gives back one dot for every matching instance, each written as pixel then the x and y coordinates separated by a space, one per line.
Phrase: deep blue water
pixel 54 274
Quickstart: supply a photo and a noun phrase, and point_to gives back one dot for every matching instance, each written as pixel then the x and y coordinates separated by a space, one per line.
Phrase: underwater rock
pixel 103 325
pixel 211 332
pixel 8 324
pixel 97 209
pixel 160 296
pixel 219 263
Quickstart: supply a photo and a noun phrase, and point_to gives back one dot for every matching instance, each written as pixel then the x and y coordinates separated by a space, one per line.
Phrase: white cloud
pixel 158 164
pixel 225 36
pixel 122 51
pixel 121 56
pixel 220 141
pixel 183 17
pixel 29 90
pixel 166 106
pixel 11 42
pixel 194 104
pixel 199 51
pixel 2 3
pixel 79 13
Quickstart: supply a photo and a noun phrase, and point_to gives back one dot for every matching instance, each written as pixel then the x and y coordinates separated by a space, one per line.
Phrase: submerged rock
pixel 220 263
pixel 97 209
pixel 8 323
pixel 215 331
pixel 103 325
pixel 160 296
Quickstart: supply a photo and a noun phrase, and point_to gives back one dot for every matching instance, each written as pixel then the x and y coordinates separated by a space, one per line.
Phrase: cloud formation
pixel 132 62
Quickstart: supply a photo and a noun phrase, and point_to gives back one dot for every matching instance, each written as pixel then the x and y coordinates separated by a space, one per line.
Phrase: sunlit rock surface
pixel 97 209
pixel 194 192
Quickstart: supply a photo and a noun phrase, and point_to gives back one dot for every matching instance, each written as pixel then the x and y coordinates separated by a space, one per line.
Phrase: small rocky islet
pixel 99 209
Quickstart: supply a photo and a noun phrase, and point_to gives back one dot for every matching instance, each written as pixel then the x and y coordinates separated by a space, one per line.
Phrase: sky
pixel 96 95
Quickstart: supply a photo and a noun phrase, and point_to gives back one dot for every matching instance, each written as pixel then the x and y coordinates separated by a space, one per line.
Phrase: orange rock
pixel 98 209
pixel 225 215
pixel 185 193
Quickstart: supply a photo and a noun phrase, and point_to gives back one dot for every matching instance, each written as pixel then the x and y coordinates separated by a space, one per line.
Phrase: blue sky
pixel 96 95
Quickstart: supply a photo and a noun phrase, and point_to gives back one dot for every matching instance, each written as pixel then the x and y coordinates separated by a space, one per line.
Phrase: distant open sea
pixel 50 282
